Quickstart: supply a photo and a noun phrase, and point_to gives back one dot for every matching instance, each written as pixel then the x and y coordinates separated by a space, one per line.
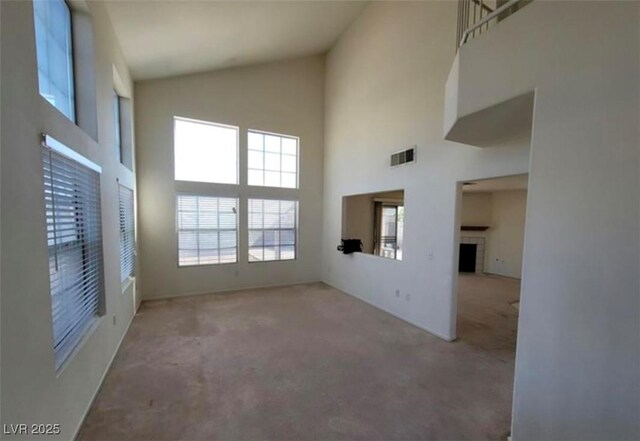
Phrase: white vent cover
pixel 404 157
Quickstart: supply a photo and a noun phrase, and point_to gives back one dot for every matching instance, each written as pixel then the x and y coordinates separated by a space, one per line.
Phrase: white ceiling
pixel 517 182
pixel 165 38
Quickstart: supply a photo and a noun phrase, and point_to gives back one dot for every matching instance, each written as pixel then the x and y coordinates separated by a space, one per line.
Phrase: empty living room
pixel 320 220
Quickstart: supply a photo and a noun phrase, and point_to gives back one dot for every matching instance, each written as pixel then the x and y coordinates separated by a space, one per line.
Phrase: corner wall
pixel 32 391
pixel 385 92
pixel 282 97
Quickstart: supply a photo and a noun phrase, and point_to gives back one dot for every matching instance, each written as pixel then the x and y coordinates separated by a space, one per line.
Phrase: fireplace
pixel 471 258
pixel 467 263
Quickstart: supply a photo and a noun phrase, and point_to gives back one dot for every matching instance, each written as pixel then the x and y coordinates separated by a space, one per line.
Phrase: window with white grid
pixel 127 232
pixel 272 160
pixel 273 226
pixel 54 51
pixel 74 240
pixel 207 230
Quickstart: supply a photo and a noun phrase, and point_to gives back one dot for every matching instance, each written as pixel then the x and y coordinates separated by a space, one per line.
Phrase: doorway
pixel 490 243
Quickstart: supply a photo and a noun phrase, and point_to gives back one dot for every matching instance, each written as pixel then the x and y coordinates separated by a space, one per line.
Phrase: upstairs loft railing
pixel 476 16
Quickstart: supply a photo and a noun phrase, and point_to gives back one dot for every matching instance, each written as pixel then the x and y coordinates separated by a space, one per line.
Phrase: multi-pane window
pixel 272 160
pixel 127 232
pixel 272 229
pixel 55 54
pixel 207 230
pixel 74 239
pixel 205 152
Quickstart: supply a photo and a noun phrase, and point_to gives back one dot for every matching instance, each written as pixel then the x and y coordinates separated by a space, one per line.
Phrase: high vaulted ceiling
pixel 165 38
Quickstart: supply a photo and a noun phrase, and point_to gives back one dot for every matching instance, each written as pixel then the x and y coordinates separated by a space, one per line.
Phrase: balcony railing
pixel 476 16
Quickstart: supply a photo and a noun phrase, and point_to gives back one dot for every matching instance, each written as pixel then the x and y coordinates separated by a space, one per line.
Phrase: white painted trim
pixel 228 290
pixel 76 432
pixel 408 321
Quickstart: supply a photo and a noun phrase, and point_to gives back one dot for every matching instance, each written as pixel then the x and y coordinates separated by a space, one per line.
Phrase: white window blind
pixel 272 229
pixel 55 54
pixel 207 230
pixel 74 239
pixel 127 232
pixel 272 160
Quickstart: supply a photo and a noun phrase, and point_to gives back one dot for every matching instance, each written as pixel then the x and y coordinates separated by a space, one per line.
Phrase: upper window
pixel 272 160
pixel 205 152
pixel 127 232
pixel 273 229
pixel 117 127
pixel 207 230
pixel 55 54
pixel 74 239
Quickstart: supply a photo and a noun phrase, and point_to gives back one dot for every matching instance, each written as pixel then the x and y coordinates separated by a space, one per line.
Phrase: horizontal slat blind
pixel 127 232
pixel 272 229
pixel 207 230
pixel 74 238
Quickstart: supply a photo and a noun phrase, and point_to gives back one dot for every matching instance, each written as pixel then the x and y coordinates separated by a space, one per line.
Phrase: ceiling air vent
pixel 404 157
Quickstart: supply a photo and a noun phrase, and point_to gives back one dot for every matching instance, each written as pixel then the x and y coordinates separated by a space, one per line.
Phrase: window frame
pixel 125 282
pixel 78 242
pixel 72 64
pixel 210 123
pixel 264 170
pixel 296 247
pixel 378 227
pixel 177 232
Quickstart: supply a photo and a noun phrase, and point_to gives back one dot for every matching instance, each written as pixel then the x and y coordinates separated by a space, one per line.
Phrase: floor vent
pixel 404 157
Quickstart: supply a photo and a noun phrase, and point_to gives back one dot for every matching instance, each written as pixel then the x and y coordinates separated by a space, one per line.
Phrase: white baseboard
pixel 406 320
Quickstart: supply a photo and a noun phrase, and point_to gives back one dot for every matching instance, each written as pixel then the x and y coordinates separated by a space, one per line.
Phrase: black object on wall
pixel 467 262
pixel 349 246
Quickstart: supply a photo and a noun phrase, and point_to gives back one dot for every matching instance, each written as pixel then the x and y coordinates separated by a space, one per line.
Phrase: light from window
pixel 207 230
pixel 272 230
pixel 205 152
pixel 74 239
pixel 55 54
pixel 127 232
pixel 272 160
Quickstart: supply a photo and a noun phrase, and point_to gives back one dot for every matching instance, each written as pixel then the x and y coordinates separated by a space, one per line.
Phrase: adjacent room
pixel 492 230
pixel 320 220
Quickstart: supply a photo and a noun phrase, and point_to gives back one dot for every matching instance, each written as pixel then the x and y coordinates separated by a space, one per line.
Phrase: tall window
pixel 205 152
pixel 273 160
pixel 127 232
pixel 273 228
pixel 207 230
pixel 117 127
pixel 55 54
pixel 389 224
pixel 74 238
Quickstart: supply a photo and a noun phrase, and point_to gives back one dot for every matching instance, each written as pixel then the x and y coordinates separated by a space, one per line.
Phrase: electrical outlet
pixel 407 297
pixel 430 255
pixel 397 293
pixel 114 320
pixel 237 273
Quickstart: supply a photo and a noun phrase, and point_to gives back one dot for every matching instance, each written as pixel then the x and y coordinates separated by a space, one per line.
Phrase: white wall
pixel 476 209
pixel 506 235
pixel 504 213
pixel 283 97
pixel 578 357
pixel 32 392
pixel 384 92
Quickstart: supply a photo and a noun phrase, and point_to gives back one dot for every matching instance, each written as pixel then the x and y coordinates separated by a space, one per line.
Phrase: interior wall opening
pixel 490 244
pixel 377 220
